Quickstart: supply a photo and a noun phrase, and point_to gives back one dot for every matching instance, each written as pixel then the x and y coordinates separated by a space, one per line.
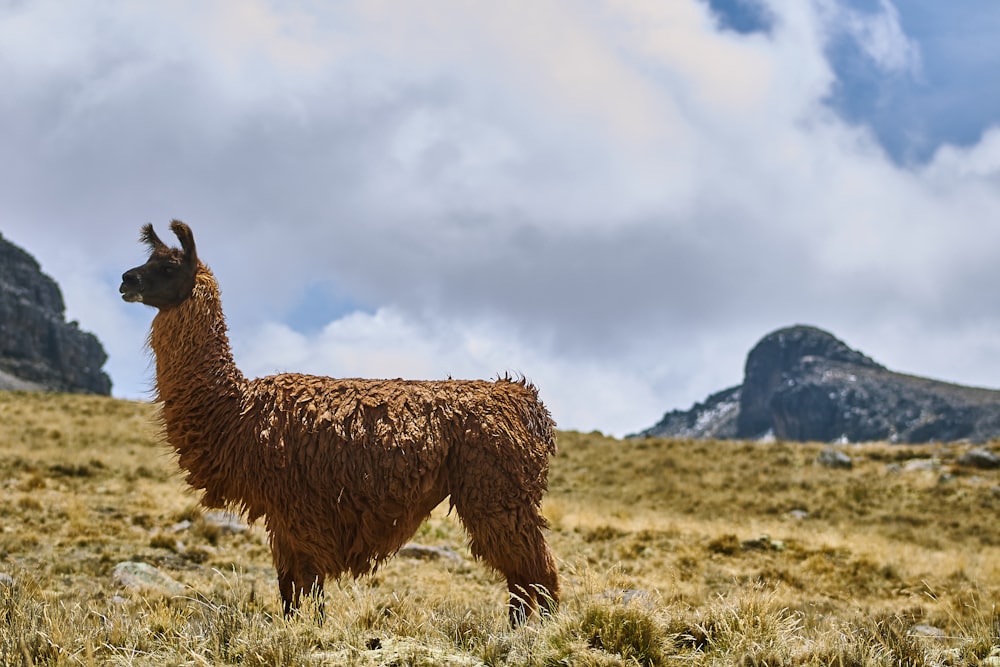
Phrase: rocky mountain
pixel 714 418
pixel 802 383
pixel 39 350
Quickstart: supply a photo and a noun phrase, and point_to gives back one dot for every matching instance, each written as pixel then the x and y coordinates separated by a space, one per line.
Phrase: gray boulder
pixel 227 523
pixel 143 577
pixel 423 552
pixel 980 458
pixel 834 458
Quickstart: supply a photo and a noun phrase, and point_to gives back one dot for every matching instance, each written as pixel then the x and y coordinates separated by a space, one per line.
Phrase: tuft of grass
pixel 752 624
pixel 21 624
pixel 625 630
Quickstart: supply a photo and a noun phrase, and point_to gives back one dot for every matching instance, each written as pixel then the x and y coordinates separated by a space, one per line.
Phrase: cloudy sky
pixel 616 198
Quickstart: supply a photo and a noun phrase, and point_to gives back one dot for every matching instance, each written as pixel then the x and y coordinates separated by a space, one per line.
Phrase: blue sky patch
pixel 951 98
pixel 319 305
pixel 742 16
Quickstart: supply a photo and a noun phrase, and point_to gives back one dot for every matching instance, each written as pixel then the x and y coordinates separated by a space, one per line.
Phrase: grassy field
pixel 671 553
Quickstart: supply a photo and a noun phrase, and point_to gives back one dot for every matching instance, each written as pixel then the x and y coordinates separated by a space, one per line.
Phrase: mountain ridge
pixel 801 383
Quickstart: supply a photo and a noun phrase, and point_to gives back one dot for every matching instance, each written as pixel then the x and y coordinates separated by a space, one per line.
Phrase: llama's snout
pixel 131 287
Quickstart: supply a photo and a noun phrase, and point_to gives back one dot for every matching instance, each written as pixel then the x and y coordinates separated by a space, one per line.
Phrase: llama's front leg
pixel 289 593
pixel 293 582
pixel 296 575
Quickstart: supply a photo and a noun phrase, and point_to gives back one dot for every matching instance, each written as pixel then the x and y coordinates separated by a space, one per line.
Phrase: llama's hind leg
pixel 512 542
pixel 532 580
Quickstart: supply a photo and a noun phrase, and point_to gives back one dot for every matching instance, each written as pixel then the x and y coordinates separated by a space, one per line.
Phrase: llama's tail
pixel 536 418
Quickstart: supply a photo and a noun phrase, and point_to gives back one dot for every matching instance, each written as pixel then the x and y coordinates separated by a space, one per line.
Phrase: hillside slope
pixel 672 552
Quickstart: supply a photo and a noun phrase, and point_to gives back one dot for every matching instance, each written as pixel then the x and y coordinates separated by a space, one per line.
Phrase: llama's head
pixel 167 277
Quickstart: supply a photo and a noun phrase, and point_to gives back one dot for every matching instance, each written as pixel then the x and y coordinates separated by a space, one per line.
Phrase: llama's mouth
pixel 130 296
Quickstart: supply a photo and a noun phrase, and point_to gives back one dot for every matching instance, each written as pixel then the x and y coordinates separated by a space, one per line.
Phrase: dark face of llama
pixel 167 277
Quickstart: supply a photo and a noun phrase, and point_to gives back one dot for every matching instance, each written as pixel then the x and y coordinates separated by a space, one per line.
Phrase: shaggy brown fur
pixel 344 471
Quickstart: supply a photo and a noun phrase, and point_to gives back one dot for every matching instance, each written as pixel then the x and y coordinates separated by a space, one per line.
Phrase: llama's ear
pixel 149 237
pixel 184 235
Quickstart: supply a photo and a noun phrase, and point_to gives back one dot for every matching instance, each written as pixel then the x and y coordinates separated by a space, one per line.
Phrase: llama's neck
pixel 193 357
pixel 200 386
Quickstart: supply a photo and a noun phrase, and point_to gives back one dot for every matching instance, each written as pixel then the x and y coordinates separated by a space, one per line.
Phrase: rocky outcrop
pixel 716 417
pixel 776 361
pixel 39 350
pixel 802 383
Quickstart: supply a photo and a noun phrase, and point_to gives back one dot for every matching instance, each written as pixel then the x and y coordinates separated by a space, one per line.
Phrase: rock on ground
pixel 422 552
pixel 144 577
pixel 833 458
pixel 980 458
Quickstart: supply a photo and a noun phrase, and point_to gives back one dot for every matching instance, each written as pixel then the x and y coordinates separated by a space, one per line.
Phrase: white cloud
pixel 978 164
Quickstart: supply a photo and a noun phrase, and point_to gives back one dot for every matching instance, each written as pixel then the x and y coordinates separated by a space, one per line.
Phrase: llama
pixel 343 471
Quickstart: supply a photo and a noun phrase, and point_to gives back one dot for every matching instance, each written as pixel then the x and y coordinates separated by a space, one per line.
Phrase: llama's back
pixel 412 416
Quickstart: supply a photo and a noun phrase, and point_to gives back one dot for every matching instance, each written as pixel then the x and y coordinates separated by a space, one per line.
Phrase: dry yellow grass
pixel 672 552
